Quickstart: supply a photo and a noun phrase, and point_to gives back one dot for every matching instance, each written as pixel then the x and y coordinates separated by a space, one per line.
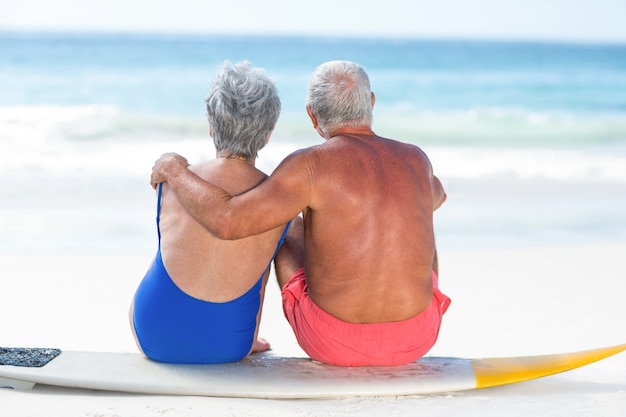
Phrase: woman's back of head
pixel 242 107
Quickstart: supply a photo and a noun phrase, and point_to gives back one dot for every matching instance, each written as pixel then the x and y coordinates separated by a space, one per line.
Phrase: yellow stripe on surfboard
pixel 492 372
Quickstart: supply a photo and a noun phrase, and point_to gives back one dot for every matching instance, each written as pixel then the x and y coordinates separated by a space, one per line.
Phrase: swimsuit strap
pixel 281 240
pixel 280 243
pixel 158 217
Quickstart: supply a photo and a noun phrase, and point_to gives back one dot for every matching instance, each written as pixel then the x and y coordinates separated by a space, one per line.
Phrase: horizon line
pixel 315 35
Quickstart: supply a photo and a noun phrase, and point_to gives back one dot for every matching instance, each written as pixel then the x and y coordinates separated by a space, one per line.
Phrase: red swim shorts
pixel 330 340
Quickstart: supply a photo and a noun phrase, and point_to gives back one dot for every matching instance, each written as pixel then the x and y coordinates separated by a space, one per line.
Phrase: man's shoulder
pixel 398 146
pixel 307 153
pixel 398 142
pixel 406 146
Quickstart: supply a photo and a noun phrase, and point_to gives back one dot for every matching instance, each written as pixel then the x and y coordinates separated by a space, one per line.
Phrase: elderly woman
pixel 200 301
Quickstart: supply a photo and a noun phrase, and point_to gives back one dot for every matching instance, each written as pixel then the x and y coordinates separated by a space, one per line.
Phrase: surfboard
pixel 274 377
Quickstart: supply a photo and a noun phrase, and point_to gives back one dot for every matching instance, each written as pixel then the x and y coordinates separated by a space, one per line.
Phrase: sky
pixel 560 20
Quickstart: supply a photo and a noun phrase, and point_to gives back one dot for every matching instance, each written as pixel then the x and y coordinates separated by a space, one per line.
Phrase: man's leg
pixel 290 257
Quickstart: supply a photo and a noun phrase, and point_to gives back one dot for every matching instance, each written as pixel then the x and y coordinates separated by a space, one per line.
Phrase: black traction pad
pixel 27 357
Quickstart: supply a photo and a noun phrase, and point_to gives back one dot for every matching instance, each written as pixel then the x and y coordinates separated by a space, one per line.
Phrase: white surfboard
pixel 267 376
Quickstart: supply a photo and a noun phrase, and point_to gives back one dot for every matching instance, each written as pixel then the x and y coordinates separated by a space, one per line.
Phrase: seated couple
pixel 354 215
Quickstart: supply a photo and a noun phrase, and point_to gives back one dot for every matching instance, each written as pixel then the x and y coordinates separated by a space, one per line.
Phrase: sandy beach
pixel 522 301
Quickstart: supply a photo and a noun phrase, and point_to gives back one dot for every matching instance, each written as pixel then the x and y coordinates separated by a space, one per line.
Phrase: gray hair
pixel 242 107
pixel 339 94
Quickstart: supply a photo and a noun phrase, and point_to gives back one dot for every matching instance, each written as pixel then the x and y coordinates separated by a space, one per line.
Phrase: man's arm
pixel 436 188
pixel 191 190
pixel 439 195
pixel 273 203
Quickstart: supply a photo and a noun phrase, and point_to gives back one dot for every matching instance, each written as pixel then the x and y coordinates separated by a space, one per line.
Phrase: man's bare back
pixel 369 228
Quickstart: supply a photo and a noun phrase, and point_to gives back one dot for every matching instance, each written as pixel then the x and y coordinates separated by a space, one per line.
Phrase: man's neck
pixel 351 131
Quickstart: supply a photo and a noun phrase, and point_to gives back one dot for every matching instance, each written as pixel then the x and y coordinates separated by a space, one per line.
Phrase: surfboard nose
pixel 492 372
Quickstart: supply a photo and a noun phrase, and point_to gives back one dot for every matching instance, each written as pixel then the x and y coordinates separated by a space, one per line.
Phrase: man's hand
pixel 165 165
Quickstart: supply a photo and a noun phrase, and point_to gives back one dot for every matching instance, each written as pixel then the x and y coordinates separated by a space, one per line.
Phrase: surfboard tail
pixel 493 372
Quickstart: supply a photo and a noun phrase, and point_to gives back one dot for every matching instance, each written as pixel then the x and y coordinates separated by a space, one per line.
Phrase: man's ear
pixel 373 99
pixel 312 117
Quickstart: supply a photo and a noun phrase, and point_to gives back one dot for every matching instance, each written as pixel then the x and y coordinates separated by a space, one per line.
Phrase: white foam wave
pixel 103 140
pixel 88 139
pixel 502 127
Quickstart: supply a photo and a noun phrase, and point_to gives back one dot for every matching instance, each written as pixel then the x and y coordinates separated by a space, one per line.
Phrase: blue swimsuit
pixel 174 327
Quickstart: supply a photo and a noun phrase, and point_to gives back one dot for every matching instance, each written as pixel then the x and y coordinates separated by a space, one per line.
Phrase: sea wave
pixel 473 144
pixel 502 127
pixel 91 123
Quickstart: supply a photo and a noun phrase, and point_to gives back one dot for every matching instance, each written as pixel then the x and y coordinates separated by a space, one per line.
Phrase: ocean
pixel 529 139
